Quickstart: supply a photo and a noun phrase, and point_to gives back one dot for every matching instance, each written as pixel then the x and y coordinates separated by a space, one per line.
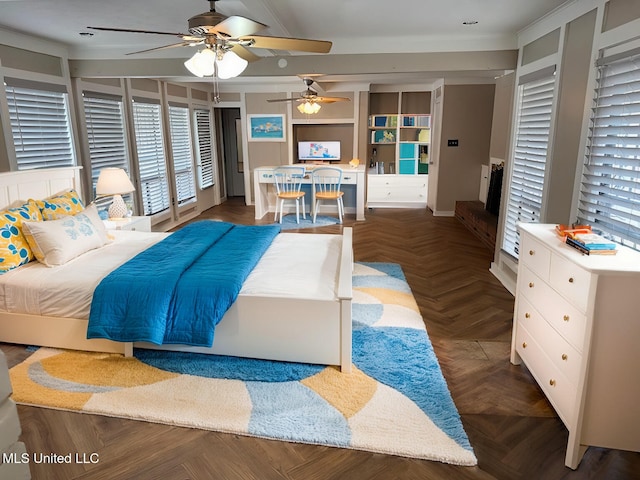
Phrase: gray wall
pixel 564 161
pixel 467 117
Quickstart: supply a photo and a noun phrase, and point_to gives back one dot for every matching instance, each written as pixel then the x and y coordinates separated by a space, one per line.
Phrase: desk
pixel 352 179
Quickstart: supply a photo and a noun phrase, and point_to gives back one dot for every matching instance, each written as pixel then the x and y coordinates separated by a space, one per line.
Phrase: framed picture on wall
pixel 266 128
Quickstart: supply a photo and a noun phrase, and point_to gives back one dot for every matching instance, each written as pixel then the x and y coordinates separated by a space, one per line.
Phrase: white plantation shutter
pixel 154 186
pixel 104 119
pixel 205 148
pixel 40 125
pixel 181 151
pixel 610 189
pixel 535 105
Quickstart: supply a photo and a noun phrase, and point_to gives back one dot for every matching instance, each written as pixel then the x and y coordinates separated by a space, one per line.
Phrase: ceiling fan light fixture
pixel 309 108
pixel 230 65
pixel 202 64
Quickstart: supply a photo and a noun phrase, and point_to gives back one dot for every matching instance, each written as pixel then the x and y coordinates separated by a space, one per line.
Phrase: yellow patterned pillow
pixel 14 249
pixel 60 205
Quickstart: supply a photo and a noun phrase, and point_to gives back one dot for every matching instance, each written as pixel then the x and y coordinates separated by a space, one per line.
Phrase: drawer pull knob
pixel 524 344
pixel 570 279
pixel 552 382
pixel 530 284
pixel 527 315
pixel 565 318
pixel 564 356
pixel 532 252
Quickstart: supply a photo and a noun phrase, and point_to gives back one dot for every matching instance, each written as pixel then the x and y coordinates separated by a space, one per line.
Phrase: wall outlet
pixel 452 142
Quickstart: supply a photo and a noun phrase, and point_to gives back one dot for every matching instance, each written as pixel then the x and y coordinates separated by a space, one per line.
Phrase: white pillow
pixel 55 242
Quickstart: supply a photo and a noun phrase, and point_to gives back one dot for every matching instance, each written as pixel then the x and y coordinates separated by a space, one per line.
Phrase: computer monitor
pixel 322 151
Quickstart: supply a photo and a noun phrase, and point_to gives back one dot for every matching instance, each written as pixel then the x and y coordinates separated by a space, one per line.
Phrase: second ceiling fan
pixel 309 99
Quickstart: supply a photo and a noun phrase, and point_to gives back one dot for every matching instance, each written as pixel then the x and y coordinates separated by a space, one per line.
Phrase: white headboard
pixel 22 185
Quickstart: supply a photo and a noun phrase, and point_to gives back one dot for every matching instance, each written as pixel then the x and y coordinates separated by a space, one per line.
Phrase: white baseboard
pixel 441 213
pixel 507 282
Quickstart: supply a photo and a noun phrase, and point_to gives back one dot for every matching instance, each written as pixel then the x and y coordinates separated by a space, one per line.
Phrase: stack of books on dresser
pixel 583 239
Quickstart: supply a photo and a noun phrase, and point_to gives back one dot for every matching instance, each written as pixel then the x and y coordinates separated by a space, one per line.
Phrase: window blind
pixel 181 151
pixel 526 187
pixel 104 119
pixel 40 127
pixel 205 148
pixel 154 187
pixel 610 188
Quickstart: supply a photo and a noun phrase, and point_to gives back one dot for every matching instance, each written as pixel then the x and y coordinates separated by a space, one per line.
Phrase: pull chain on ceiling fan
pixel 227 41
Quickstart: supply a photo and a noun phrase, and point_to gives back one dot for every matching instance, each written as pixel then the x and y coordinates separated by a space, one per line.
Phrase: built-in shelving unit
pixel 399 140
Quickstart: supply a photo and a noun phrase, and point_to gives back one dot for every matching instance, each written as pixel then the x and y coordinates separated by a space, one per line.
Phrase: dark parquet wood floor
pixel 514 431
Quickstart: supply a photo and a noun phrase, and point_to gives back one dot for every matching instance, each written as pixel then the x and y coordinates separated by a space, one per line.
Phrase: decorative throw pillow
pixel 14 249
pixel 60 205
pixel 55 242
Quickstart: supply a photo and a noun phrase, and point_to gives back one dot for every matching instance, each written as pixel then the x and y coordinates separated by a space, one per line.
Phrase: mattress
pixel 296 265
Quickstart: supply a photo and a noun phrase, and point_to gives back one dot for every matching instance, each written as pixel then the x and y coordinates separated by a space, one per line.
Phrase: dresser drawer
pixel 570 280
pixel 565 357
pixel 399 194
pixel 536 256
pixel 557 388
pixel 563 316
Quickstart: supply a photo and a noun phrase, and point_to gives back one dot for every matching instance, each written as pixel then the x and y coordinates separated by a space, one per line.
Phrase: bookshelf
pixel 399 139
pixel 401 122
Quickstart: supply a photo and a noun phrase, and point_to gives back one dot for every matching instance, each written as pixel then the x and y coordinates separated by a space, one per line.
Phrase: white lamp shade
pixel 231 65
pixel 309 108
pixel 202 64
pixel 113 181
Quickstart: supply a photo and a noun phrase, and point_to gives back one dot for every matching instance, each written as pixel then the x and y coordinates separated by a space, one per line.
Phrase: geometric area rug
pixel 395 401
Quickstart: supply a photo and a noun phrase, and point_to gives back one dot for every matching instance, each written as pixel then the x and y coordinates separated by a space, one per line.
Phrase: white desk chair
pixel 326 184
pixel 288 182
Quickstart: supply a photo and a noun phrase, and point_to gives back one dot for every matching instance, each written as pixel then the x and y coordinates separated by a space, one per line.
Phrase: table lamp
pixel 114 182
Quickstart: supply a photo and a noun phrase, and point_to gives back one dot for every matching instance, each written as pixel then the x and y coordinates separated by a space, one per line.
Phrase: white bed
pixel 295 305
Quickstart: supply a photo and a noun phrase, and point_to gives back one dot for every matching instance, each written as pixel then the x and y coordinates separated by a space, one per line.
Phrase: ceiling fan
pixel 221 34
pixel 310 96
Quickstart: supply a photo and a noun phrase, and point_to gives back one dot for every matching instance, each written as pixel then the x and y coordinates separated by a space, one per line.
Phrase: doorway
pixel 232 151
pixel 434 155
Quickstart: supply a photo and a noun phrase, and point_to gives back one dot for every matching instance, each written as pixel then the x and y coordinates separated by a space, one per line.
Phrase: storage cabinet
pixel 576 324
pixel 400 134
pixel 401 191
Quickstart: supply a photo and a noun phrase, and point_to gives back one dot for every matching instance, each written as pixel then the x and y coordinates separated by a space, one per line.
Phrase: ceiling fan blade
pixel 283 43
pixel 236 26
pixel 173 45
pixel 332 99
pixel 244 53
pixel 283 100
pixel 127 30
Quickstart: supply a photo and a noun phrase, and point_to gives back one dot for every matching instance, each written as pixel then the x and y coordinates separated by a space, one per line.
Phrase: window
pixel 39 115
pixel 610 189
pixel 535 105
pixel 205 148
pixel 154 187
pixel 181 151
pixel 105 133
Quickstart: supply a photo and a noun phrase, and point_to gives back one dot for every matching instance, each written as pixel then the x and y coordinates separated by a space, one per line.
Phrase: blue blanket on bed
pixel 177 290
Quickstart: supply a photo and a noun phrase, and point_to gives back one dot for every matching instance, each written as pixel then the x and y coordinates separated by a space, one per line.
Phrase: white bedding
pixel 296 265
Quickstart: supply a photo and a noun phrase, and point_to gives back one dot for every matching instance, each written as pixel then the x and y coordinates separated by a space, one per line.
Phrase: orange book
pixel 572 230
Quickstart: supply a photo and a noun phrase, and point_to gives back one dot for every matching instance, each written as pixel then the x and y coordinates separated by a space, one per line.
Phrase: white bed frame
pixel 272 328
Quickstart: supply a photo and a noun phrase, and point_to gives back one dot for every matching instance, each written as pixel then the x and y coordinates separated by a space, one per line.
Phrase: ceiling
pixel 359 29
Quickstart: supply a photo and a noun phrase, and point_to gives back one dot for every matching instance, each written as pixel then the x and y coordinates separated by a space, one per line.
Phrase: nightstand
pixel 140 224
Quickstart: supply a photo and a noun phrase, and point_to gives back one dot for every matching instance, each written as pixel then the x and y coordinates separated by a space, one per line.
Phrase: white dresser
pixel 397 191
pixel 14 463
pixel 577 329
